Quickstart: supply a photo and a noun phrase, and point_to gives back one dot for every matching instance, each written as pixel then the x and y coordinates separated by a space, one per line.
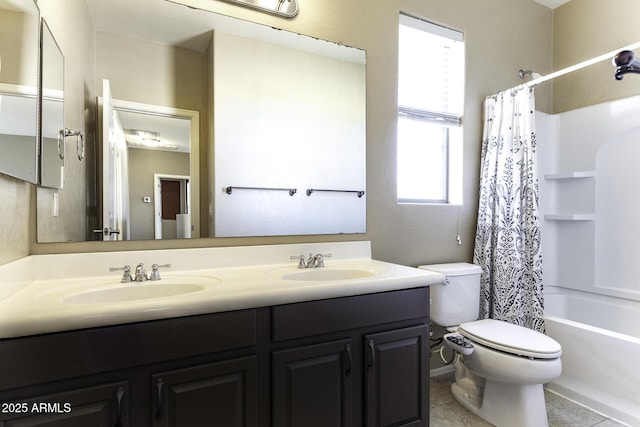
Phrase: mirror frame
pixel 56 181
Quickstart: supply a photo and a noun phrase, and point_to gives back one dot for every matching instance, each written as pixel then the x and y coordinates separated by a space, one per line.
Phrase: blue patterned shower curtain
pixel 507 243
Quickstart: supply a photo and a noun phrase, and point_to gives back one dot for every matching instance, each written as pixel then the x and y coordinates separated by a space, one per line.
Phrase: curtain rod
pixel 578 66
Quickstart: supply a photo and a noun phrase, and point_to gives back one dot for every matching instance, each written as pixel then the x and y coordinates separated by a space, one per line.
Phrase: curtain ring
pixel 80 145
pixel 61 135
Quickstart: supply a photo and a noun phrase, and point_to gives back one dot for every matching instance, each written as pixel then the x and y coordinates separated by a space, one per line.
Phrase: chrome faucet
pixel 155 274
pixel 126 275
pixel 300 258
pixel 320 259
pixel 313 261
pixel 141 273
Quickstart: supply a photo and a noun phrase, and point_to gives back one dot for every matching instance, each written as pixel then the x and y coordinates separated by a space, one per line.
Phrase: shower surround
pixel 588 169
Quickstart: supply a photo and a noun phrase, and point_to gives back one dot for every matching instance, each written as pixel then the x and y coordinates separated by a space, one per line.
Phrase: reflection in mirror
pixel 150 171
pixel 52 150
pixel 288 8
pixel 307 132
pixel 19 47
pixel 292 124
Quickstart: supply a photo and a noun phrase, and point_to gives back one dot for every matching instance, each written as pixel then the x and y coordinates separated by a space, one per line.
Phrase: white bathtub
pixel 600 339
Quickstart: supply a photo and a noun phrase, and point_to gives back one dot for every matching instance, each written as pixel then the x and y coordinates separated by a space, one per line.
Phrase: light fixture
pixel 286 8
pixel 146 139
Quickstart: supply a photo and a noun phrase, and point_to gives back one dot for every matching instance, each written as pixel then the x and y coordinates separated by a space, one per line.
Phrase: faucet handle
pixel 300 258
pixel 126 275
pixel 155 274
pixel 320 259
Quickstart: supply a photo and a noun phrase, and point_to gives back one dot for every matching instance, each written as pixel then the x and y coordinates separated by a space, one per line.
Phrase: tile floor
pixel 446 412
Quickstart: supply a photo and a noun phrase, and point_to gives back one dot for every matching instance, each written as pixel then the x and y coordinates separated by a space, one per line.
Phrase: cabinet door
pixel 397 378
pixel 100 406
pixel 222 394
pixel 312 386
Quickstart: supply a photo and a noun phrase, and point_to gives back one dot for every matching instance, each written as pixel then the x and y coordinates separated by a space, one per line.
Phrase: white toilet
pixel 501 377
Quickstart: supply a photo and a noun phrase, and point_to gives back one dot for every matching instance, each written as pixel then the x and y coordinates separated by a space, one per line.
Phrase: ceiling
pixel 552 4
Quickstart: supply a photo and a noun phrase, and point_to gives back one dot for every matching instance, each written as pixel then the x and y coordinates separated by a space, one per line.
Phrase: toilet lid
pixel 511 338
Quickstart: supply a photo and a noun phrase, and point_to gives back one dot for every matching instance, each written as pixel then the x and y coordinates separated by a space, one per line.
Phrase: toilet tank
pixel 458 299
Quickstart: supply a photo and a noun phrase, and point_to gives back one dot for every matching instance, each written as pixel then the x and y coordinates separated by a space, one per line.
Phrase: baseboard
pixel 441 371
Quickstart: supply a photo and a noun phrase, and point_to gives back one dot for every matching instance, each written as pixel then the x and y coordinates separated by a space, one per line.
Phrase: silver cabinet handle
pixel 159 387
pixel 119 395
pixel 61 136
pixel 349 359
pixel 372 355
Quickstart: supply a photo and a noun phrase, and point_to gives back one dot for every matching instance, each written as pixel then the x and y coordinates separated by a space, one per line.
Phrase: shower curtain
pixel 507 245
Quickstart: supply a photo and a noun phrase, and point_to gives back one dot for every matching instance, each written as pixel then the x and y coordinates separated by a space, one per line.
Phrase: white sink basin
pixel 322 274
pixel 141 291
pixel 130 292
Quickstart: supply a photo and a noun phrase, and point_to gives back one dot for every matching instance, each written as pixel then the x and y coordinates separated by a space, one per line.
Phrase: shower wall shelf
pixel 567 176
pixel 570 217
pixel 570 175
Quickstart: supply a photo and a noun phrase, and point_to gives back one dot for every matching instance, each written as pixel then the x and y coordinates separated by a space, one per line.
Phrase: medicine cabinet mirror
pixel 19 53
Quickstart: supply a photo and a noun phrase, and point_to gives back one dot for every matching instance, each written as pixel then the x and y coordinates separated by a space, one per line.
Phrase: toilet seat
pixel 510 338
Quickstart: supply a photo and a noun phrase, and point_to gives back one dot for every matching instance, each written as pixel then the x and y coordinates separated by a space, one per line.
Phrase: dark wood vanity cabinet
pixel 352 361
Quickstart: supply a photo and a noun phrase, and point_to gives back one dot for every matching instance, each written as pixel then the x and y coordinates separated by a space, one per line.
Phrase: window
pixel 430 105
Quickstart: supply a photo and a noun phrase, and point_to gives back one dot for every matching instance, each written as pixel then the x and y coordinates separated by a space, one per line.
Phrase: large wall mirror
pixel 277 146
pixel 19 59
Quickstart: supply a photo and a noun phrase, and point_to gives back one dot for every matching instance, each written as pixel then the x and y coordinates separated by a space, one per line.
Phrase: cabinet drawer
pixel 325 316
pixel 86 352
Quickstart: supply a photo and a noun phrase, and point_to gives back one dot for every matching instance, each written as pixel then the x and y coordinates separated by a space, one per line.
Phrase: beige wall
pixel 500 38
pixel 16 204
pixel 150 73
pixel 585 29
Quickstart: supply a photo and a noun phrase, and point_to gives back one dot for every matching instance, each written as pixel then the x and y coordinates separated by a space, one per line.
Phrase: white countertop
pixel 46 304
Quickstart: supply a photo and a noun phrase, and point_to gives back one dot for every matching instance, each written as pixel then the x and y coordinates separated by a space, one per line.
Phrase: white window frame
pixel 452 122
